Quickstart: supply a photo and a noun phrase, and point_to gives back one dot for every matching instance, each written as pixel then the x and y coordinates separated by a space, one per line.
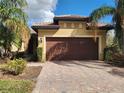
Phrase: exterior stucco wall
pixel 70 32
pixel 75 24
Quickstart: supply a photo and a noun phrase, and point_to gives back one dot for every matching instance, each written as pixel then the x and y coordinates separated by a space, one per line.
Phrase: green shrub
pixel 16 66
pixel 109 51
pixel 107 55
pixel 39 54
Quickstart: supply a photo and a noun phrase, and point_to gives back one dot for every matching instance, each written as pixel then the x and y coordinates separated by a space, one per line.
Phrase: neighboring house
pixel 71 38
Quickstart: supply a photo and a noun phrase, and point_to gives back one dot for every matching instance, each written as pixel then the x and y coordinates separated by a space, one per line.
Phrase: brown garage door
pixel 71 48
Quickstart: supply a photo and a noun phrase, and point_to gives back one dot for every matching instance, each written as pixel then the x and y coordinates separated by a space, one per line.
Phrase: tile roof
pixel 54 25
pixel 102 26
pixel 42 23
pixel 72 18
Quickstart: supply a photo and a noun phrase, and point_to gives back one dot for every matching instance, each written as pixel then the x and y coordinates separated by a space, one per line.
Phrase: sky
pixel 45 10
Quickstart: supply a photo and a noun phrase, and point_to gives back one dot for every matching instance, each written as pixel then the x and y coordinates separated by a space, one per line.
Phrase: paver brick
pixel 78 77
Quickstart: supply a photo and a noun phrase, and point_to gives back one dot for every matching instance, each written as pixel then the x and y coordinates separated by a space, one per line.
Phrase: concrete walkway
pixel 35 64
pixel 78 77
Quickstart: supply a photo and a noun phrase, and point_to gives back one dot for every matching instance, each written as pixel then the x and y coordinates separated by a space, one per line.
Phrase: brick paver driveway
pixel 78 77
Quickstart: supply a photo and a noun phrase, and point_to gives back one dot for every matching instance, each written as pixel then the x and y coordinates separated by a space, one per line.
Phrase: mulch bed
pixel 3 61
pixel 117 71
pixel 30 73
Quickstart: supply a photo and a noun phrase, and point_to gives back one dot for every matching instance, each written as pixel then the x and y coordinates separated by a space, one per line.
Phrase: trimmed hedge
pixel 39 53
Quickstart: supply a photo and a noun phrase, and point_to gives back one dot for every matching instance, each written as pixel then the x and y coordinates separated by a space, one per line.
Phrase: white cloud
pixel 41 9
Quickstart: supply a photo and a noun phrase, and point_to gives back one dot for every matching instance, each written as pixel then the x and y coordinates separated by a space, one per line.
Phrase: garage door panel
pixel 71 49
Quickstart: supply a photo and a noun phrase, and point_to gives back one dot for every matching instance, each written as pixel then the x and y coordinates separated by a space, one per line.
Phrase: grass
pixel 16 86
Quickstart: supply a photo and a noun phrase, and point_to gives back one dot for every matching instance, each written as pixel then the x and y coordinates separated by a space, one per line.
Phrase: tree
pixel 13 24
pixel 118 19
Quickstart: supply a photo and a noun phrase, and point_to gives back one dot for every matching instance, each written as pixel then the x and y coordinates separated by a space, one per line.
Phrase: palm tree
pixel 13 24
pixel 118 19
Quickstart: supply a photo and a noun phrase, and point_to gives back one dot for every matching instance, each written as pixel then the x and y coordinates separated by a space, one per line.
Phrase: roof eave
pixel 45 27
pixel 102 28
pixel 85 19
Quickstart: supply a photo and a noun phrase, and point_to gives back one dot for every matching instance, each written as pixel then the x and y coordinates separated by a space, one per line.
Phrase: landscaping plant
pixel 13 25
pixel 39 53
pixel 15 66
pixel 118 19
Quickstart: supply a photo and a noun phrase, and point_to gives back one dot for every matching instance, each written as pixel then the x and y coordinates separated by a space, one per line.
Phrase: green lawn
pixel 15 86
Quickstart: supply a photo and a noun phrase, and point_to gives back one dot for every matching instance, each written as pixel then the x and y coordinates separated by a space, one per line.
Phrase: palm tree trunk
pixel 123 40
pixel 122 25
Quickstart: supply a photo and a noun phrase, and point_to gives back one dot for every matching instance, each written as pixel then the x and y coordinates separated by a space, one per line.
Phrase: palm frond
pixel 101 12
pixel 18 13
pixel 20 30
pixel 13 3
pixel 21 3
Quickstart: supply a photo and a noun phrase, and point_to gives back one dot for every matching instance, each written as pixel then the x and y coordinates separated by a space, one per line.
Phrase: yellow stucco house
pixel 71 38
